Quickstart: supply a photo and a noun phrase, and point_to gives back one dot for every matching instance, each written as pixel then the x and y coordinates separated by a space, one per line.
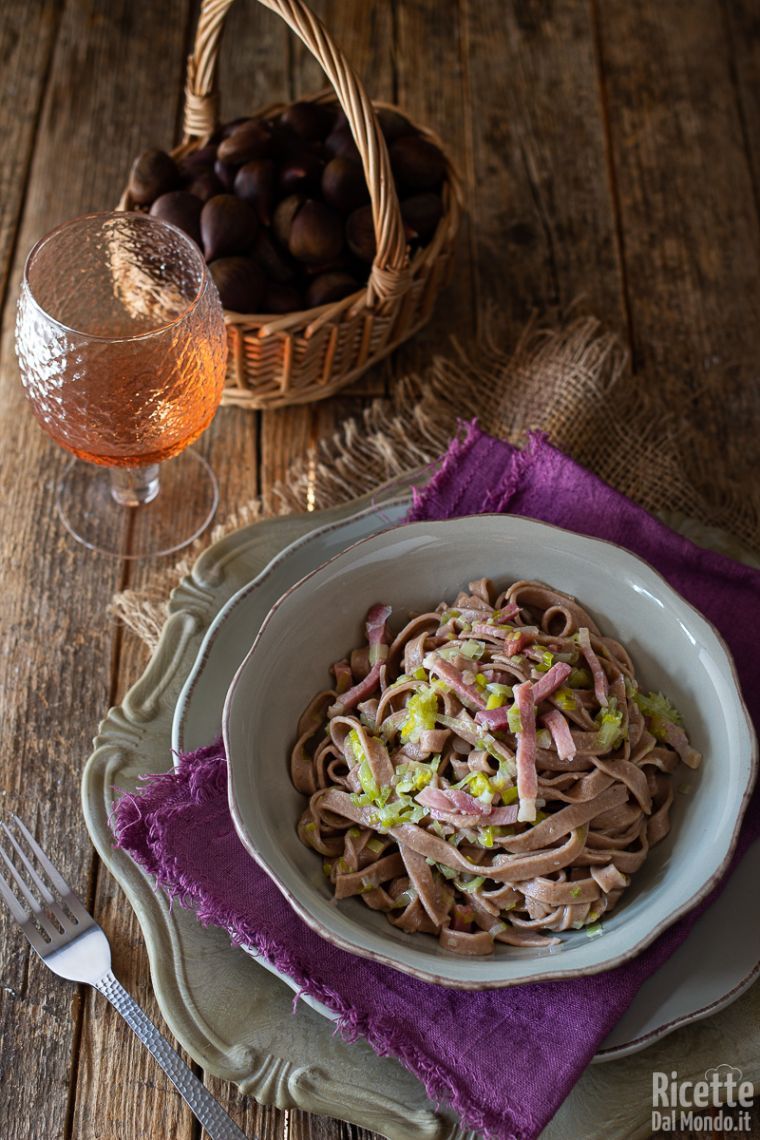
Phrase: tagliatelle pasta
pixel 493 773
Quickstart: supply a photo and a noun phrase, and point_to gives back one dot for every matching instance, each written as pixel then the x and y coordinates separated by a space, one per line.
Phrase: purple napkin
pixel 504 1059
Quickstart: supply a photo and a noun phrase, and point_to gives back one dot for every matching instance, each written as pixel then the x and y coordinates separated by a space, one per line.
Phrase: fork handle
pixel 212 1116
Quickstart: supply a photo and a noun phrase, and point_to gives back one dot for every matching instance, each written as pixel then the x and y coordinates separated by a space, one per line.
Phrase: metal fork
pixel 69 941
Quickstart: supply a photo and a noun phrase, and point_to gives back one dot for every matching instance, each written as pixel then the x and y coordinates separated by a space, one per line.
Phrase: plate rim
pixel 423 973
pixel 204 652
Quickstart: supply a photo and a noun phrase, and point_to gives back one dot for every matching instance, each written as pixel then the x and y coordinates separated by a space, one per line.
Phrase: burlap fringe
pixel 572 383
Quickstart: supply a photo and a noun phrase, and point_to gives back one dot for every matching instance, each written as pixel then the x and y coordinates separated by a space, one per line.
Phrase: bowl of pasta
pixel 486 751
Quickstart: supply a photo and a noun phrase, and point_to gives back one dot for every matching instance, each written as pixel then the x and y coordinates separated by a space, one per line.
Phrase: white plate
pixel 675 648
pixel 699 979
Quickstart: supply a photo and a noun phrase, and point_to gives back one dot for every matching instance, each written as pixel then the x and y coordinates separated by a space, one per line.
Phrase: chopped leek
pixel 610 725
pixel 544 738
pixel 480 786
pixel 413 777
pixel 404 899
pixel 547 660
pixel 421 712
pixel 420 674
pixel 595 930
pixel 504 780
pixel 327 869
pixel 499 690
pixel 481 680
pixel 486 836
pixel 659 710
pixel 375 845
pixel 447 872
pixel 514 720
pixel 496 700
pixel 580 679
pixel 369 784
pixel 473 649
pixel 565 699
pixel 355 745
pixel 403 810
pixel 474 884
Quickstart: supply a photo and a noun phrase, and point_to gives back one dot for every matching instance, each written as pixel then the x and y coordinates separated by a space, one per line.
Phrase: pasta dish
pixel 491 773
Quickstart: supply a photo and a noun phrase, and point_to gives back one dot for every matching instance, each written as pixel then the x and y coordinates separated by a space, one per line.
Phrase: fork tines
pixel 34 905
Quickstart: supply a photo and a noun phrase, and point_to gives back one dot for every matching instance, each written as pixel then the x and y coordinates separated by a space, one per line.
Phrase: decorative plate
pixel 233 1017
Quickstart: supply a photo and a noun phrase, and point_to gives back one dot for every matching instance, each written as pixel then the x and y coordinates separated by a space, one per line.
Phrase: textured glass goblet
pixel 122 349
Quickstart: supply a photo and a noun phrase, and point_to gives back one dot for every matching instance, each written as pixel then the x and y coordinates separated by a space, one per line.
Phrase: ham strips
pixel 377 633
pixel 445 805
pixel 597 672
pixel 561 734
pixel 552 680
pixel 423 804
pixel 527 777
pixel 469 695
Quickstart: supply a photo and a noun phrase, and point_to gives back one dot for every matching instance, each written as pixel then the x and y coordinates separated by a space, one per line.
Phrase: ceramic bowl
pixel 412 568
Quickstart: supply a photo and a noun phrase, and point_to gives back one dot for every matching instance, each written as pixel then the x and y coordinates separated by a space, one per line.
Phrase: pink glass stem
pixel 134 486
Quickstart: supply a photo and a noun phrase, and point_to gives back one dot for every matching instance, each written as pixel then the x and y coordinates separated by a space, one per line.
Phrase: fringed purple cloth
pixel 504 1059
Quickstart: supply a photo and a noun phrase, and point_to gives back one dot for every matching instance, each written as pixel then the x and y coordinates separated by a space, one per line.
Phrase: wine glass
pixel 122 348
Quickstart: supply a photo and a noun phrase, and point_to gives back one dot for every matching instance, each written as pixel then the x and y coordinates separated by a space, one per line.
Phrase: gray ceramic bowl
pixel 411 567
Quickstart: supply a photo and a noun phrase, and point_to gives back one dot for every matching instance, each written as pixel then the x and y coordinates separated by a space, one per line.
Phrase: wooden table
pixel 610 149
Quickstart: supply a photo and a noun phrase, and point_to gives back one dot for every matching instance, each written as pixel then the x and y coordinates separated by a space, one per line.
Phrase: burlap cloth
pixel 572 382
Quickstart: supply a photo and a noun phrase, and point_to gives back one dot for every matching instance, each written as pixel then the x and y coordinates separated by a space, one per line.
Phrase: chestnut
pixel 421 215
pixel 329 287
pixel 254 183
pixel 282 299
pixel 417 164
pixel 283 217
pixel 316 233
pixel 360 234
pixel 310 121
pixel 240 283
pixel 344 185
pixel 182 209
pixel 249 141
pixel 153 173
pixel 228 226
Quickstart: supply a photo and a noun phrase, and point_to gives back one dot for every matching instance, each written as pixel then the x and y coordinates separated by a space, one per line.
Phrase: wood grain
pixel 27 36
pixel 742 19
pixel 106 95
pixel 688 213
pixel 610 153
pixel 543 216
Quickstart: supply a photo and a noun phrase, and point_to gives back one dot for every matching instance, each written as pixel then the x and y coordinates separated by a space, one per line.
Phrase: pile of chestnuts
pixel 280 206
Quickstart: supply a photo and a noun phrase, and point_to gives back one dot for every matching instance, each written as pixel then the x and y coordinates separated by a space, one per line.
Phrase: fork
pixel 68 940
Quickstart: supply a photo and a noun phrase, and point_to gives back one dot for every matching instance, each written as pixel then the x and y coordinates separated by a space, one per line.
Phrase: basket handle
pixel 389 277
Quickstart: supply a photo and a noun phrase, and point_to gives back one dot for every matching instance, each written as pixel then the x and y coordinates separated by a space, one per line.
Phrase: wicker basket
pixel 298 357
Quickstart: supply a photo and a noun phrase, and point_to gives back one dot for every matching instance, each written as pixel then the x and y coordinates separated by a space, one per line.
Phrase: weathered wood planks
pixel 610 155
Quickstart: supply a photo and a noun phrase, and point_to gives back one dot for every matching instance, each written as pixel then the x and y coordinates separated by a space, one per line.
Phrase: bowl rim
pixel 474 984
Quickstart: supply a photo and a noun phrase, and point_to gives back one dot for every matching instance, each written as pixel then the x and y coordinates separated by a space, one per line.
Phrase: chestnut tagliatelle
pixel 492 773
